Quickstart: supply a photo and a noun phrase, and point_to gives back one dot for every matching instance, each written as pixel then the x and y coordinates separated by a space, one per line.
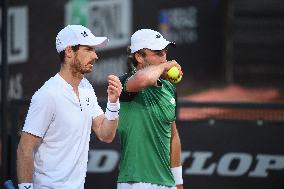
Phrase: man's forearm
pixel 175 148
pixel 108 130
pixel 25 161
pixel 148 75
pixel 24 167
pixel 110 121
pixel 176 167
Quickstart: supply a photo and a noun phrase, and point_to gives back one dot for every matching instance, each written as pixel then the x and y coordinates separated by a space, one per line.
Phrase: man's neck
pixel 73 79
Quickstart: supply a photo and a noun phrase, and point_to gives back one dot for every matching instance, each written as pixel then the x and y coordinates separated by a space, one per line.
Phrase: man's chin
pixel 87 71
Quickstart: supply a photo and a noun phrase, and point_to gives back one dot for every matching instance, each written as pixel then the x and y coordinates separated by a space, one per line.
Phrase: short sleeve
pixel 40 114
pixel 96 110
pixel 126 96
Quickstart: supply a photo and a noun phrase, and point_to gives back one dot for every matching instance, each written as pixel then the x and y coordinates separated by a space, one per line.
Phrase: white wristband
pixel 26 186
pixel 112 110
pixel 177 173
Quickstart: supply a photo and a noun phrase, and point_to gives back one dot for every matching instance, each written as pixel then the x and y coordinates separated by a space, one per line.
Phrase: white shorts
pixel 140 185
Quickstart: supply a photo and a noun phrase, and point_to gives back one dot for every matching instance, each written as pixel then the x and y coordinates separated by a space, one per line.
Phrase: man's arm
pixel 25 161
pixel 176 155
pixel 105 129
pixel 148 76
pixel 106 124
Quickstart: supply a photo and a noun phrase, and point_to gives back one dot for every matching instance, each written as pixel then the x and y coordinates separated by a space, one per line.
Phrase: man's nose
pixel 95 56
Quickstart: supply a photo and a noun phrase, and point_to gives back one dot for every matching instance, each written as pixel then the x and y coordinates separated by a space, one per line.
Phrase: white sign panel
pixel 110 18
pixel 17 41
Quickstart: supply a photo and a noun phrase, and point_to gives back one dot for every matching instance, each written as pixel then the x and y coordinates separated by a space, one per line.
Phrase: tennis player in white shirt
pixel 53 149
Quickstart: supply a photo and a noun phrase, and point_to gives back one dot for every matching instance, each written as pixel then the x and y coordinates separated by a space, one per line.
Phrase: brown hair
pixel 131 60
pixel 62 53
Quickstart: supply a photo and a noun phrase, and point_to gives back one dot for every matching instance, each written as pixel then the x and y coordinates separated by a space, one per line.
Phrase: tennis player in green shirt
pixel 150 144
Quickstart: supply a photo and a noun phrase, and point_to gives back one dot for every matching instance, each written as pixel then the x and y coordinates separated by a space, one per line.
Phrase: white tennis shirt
pixel 64 123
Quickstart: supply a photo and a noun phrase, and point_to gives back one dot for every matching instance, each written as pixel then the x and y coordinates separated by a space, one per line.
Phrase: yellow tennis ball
pixel 177 80
pixel 173 73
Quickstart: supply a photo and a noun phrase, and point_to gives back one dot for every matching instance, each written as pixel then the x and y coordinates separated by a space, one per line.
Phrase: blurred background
pixel 230 105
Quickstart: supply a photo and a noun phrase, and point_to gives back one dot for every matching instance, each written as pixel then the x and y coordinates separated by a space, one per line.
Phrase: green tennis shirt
pixel 145 121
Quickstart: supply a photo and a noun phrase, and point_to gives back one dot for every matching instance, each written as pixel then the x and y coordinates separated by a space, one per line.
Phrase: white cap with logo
pixel 150 39
pixel 73 35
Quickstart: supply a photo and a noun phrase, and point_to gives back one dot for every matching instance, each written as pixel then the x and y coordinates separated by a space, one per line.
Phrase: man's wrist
pixel 25 186
pixel 112 110
pixel 177 173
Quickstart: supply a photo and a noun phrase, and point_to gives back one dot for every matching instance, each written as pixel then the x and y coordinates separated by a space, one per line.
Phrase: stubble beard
pixel 145 64
pixel 77 69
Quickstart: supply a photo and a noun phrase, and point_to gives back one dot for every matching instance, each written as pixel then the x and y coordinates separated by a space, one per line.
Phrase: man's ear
pixel 138 57
pixel 69 52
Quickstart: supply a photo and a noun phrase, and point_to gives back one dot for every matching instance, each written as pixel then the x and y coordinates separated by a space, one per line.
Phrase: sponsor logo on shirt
pixel 173 101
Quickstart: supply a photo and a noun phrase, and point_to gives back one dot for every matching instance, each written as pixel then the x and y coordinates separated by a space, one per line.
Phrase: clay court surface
pixel 235 94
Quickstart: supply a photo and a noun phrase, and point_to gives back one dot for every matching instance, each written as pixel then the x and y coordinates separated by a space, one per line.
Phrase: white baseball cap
pixel 150 39
pixel 73 35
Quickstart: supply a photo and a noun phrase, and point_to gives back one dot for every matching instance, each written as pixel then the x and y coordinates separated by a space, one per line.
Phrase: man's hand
pixel 169 65
pixel 114 88
pixel 179 186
